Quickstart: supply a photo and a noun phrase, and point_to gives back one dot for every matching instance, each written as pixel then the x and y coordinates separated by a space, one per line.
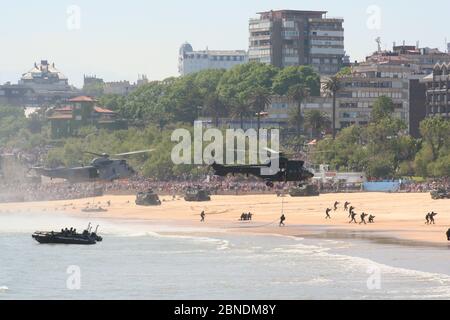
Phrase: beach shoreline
pixel 400 218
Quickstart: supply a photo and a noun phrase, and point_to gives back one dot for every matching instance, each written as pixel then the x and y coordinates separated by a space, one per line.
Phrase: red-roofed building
pixel 82 99
pixel 79 112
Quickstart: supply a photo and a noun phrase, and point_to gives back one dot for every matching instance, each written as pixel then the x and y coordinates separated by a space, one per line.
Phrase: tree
pixel 382 108
pixel 435 132
pixel 295 75
pixel 240 109
pixel 345 71
pixel 295 120
pixel 12 120
pixel 298 93
pixel 215 107
pixel 112 101
pixel 333 86
pixel 259 99
pixel 183 99
pixel 381 167
pixel 316 121
pixel 245 78
pixel 145 101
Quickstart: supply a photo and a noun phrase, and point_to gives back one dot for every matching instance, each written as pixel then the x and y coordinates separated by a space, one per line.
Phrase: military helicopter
pixel 102 168
pixel 287 171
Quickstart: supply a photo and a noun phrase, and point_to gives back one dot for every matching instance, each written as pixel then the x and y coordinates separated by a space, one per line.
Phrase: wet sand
pixel 400 218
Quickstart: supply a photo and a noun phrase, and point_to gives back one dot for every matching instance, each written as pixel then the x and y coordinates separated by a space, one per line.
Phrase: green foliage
pixel 332 86
pixel 382 149
pixel 316 121
pixel 378 149
pixel 240 81
pixel 382 108
pixel 346 71
pixel 381 166
pixel 296 75
pixel 258 100
pixel 436 132
pixel 112 101
pixel 12 120
pixel 434 157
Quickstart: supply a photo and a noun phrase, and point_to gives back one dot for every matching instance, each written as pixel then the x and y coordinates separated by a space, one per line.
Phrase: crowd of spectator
pixel 27 192
pixel 427 186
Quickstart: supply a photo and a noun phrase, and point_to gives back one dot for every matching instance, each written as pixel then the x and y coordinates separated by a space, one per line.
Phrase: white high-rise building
pixel 191 61
pixel 290 38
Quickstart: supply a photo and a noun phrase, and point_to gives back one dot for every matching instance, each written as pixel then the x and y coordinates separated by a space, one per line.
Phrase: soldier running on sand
pixel 353 216
pixel 202 215
pixel 351 211
pixel 372 219
pixel 328 213
pixel 432 215
pixel 346 204
pixel 363 218
pixel 427 218
pixel 336 205
pixel 282 220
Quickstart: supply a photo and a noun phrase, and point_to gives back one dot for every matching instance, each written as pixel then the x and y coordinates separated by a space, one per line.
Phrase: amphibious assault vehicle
pixel 68 236
pixel 197 195
pixel 440 194
pixel 304 191
pixel 148 198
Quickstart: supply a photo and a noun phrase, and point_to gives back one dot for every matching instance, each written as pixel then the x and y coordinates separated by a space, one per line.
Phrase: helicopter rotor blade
pixel 272 151
pixel 134 152
pixel 103 155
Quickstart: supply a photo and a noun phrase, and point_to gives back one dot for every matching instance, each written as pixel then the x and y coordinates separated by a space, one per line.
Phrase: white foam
pixel 3 288
pixel 356 264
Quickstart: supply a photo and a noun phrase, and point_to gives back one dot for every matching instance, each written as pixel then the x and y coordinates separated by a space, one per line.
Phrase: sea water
pixel 144 261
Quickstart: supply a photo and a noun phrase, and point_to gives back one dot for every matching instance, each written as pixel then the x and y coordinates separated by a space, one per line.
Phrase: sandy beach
pixel 400 218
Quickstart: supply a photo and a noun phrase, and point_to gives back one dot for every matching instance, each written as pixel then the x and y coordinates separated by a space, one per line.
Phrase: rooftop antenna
pixel 378 41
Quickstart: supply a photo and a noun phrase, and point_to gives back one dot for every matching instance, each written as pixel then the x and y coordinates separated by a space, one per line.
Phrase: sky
pixel 117 40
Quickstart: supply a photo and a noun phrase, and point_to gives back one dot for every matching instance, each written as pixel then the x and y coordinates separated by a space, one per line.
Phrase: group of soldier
pixel 68 232
pixel 351 213
pixel 347 208
pixel 430 218
pixel 246 216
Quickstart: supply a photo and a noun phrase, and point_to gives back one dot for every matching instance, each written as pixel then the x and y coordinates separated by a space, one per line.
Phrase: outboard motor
pixel 95 236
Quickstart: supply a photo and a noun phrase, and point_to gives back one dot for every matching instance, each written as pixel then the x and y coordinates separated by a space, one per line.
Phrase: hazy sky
pixel 121 39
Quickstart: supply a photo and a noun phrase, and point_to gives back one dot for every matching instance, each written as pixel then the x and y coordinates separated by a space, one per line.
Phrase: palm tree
pixel 240 110
pixel 259 99
pixel 333 85
pixel 299 93
pixel 316 120
pixel 215 107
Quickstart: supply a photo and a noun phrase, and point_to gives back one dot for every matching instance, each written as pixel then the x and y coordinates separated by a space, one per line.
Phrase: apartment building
pixel 438 91
pixel 365 85
pixel 281 107
pixel 290 38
